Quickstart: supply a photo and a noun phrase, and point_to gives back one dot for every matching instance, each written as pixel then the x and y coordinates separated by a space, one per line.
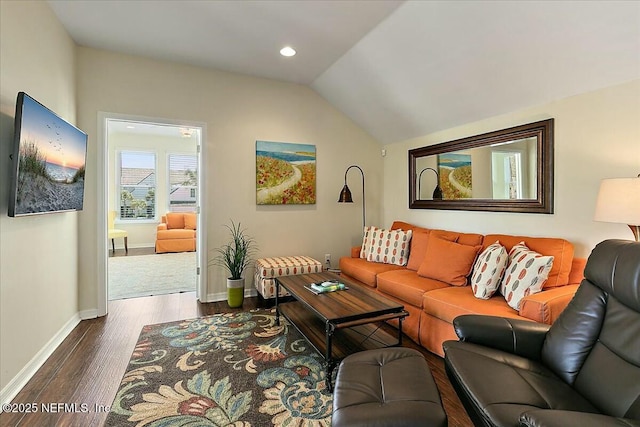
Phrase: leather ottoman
pixel 386 387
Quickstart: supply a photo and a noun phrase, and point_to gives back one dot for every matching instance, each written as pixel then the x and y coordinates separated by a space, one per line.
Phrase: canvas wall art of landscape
pixel 285 173
pixel 455 175
pixel 51 162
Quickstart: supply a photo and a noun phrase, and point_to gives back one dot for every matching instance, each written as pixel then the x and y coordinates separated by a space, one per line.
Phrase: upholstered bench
pixel 269 268
pixel 387 387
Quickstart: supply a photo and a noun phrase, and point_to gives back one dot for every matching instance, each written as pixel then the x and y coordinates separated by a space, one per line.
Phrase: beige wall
pixel 38 254
pixel 237 111
pixel 597 136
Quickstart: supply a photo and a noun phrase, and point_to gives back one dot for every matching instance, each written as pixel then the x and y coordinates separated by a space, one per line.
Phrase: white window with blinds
pixel 137 184
pixel 183 182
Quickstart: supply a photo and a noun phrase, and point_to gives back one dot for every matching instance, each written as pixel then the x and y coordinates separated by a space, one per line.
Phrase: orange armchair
pixel 177 233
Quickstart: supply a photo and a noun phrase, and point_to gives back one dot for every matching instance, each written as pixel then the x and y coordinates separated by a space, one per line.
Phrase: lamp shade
pixel 619 201
pixel 345 195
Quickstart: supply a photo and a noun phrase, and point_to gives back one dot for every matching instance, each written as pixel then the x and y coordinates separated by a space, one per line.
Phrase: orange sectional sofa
pixel 176 233
pixel 433 304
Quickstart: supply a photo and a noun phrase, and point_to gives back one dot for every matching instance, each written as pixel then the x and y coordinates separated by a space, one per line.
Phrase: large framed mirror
pixel 509 170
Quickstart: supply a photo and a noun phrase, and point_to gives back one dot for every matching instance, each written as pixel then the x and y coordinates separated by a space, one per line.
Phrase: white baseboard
pixel 22 378
pixel 222 296
pixel 88 314
pixel 11 390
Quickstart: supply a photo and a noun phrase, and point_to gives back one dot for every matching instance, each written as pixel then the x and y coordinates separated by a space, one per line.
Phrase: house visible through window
pixel 183 182
pixel 137 185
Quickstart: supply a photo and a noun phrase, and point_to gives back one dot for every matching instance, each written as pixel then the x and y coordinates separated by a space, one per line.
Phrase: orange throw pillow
pixel 419 243
pixel 448 262
pixel 175 220
pixel 190 221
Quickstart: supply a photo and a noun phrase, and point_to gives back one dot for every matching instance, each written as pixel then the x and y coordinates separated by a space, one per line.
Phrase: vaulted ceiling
pixel 400 69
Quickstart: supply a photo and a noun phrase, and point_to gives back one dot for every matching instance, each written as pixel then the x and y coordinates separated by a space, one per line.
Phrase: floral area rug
pixel 233 369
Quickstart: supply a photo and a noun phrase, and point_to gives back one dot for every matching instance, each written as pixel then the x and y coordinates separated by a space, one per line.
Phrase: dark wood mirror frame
pixel 543 203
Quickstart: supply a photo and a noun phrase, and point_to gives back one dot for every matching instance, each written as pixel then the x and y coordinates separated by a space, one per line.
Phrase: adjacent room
pixel 320 213
pixel 152 174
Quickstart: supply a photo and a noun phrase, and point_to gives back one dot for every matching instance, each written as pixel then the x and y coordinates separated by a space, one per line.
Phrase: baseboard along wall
pixel 28 371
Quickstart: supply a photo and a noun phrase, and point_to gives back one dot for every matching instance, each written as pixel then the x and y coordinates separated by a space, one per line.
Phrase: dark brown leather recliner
pixel 584 370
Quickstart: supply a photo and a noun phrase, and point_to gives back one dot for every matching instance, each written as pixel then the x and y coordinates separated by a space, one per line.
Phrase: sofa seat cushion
pixel 560 249
pixel 407 286
pixel 501 386
pixel 176 234
pixel 449 303
pixel 363 270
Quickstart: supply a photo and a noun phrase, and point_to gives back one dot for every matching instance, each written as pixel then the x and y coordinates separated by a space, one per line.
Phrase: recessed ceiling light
pixel 287 51
pixel 130 127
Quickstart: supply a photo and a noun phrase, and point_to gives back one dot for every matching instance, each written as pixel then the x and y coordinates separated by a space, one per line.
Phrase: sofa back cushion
pixel 175 220
pixel 420 240
pixel 560 249
pixel 468 239
pixel 401 225
pixel 595 343
pixel 448 261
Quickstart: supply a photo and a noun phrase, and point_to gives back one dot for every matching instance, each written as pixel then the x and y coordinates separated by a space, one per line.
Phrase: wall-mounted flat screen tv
pixel 49 157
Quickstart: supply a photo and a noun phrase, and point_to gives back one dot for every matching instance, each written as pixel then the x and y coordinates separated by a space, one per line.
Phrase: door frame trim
pixel 102 192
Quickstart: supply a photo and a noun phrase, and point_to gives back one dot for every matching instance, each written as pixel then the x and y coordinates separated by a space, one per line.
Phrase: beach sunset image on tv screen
pixel 51 161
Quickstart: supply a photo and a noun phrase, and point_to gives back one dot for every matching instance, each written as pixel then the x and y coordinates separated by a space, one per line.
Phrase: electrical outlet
pixel 327 260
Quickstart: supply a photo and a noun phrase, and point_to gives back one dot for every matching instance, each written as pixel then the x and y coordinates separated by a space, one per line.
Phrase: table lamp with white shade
pixel 619 202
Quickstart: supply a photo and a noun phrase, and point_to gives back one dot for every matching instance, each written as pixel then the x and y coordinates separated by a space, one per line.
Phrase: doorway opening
pixel 152 198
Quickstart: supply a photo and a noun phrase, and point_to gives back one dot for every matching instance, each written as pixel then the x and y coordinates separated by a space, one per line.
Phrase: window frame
pixel 118 195
pixel 168 179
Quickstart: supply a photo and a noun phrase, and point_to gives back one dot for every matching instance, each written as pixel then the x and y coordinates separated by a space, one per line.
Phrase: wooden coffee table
pixel 338 323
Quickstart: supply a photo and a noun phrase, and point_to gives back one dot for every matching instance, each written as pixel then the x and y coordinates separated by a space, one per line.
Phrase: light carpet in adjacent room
pixel 156 274
pixel 232 369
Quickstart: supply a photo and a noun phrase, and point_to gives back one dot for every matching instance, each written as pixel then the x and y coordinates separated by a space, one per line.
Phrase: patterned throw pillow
pixel 367 240
pixel 389 246
pixel 525 275
pixel 488 271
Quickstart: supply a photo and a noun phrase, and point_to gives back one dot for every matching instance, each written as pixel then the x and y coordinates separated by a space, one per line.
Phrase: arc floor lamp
pixel 437 192
pixel 345 194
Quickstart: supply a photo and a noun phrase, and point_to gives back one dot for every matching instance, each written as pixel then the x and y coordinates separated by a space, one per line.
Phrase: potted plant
pixel 235 256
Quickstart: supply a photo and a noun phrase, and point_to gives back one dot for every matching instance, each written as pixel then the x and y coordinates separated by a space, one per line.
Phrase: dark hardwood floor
pixel 86 368
pixel 132 252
